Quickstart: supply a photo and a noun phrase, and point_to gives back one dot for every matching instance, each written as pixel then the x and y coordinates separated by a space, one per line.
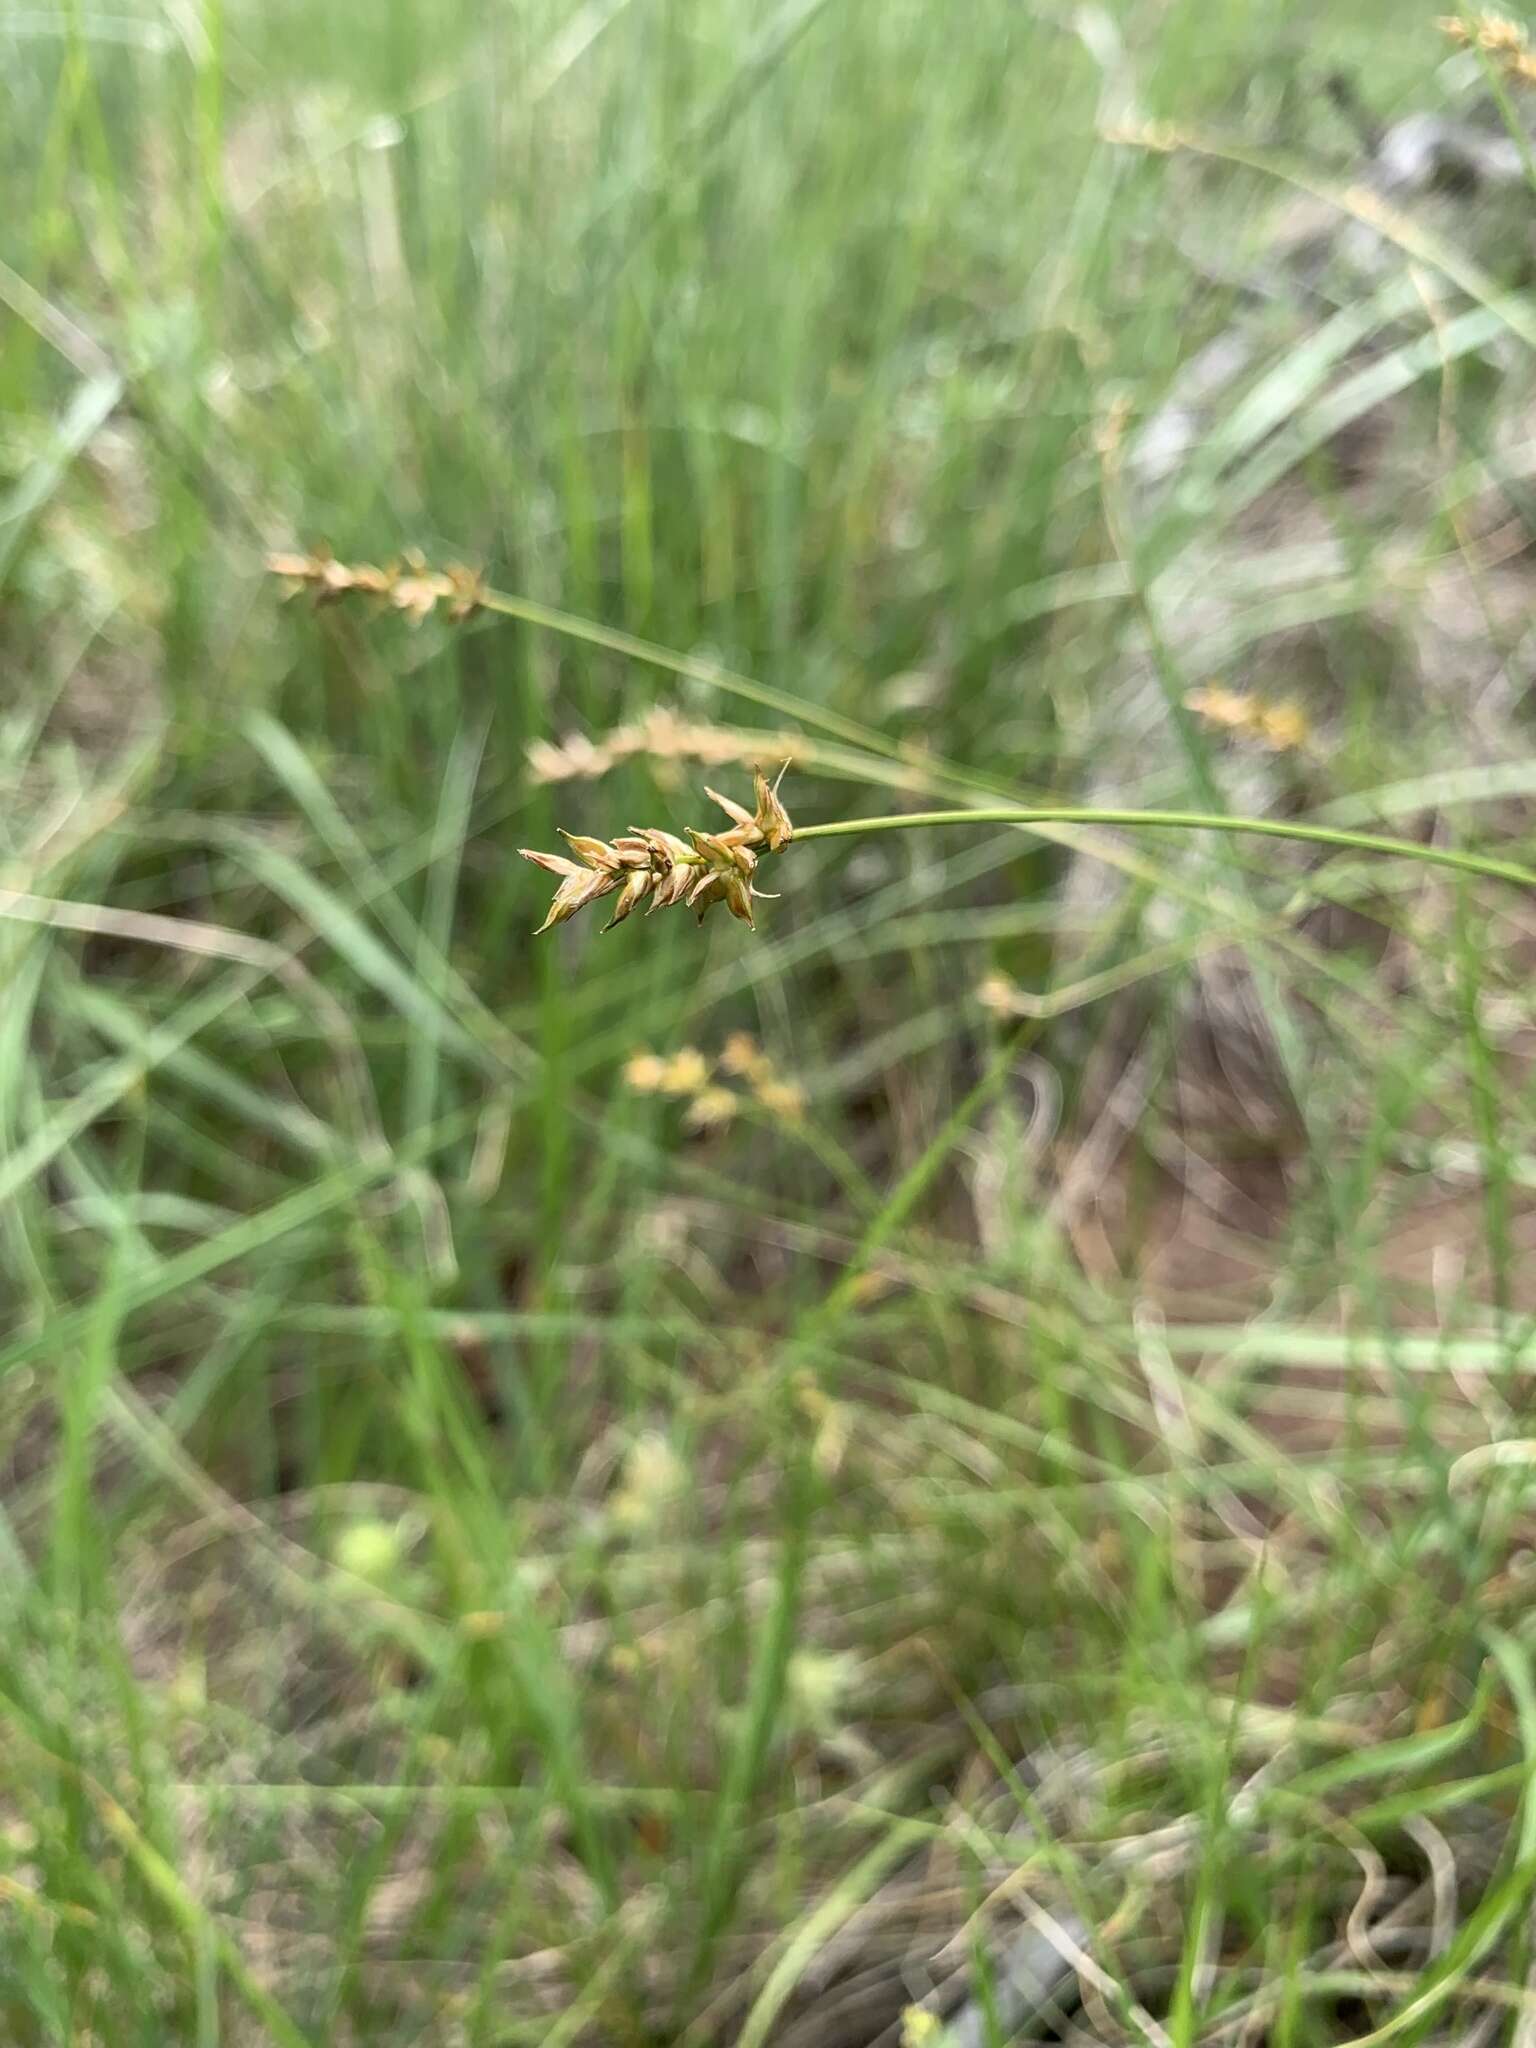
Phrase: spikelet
pixel 743 1058
pixel 1281 727
pixel 645 1072
pixel 1494 33
pixel 782 1099
pixel 661 736
pixel 710 1108
pixel 408 585
pixel 1504 41
pixel 708 868
pixel 685 1073
pixel 688 1072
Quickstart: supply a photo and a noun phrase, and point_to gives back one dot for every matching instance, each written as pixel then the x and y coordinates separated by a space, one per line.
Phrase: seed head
pixel 685 1073
pixel 741 1055
pixel 704 869
pixel 1278 726
pixel 781 1098
pixel 666 738
pixel 645 1072
pixel 409 585
pixel 1498 37
pixel 710 1108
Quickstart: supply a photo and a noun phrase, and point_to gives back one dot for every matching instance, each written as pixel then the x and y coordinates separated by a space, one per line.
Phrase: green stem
pixel 693 667
pixel 1182 821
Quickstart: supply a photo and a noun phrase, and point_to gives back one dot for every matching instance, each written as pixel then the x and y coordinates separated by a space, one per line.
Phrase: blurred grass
pixel 480 1561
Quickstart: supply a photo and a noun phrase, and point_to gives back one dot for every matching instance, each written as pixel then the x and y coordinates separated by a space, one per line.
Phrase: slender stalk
pixel 1182 821
pixel 695 668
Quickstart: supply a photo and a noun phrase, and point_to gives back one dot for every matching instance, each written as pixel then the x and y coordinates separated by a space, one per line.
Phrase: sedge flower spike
pixel 409 584
pixel 646 865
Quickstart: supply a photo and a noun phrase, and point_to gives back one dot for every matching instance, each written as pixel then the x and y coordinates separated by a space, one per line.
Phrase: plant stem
pixel 1182 821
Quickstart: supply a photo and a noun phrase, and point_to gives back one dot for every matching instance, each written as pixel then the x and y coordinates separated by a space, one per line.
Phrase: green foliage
pixel 490 1553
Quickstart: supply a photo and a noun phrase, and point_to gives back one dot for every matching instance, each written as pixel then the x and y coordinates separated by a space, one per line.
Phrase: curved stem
pixel 1182 821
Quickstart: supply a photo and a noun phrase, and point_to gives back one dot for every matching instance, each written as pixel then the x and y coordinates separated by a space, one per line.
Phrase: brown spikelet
pixel 715 1103
pixel 710 1108
pixel 1503 41
pixel 1282 727
pixel 738 815
pixel 662 736
pixel 633 892
pixel 645 862
pixel 595 852
pixel 409 586
pixel 1499 36
pixel 742 1057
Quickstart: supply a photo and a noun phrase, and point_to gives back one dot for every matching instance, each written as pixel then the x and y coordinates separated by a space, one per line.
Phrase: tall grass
pixel 485 1560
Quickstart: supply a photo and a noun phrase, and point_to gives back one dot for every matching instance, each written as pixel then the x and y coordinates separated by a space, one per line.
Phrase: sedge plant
pixel 649 863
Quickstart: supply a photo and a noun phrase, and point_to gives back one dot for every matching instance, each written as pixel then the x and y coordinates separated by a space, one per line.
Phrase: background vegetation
pixel 968 1450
